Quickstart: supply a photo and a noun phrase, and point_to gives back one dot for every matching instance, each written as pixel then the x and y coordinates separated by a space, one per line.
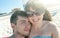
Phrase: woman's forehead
pixel 39 10
pixel 35 12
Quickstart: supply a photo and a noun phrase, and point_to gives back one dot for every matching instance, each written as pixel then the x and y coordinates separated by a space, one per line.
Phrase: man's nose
pixel 27 27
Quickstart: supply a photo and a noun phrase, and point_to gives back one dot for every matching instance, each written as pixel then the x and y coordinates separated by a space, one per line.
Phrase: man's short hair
pixel 15 15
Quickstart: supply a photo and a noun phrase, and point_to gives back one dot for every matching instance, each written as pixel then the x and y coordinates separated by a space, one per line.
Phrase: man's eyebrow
pixel 23 20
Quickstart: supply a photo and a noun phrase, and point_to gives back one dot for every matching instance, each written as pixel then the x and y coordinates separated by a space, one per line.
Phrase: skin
pixel 41 27
pixel 22 27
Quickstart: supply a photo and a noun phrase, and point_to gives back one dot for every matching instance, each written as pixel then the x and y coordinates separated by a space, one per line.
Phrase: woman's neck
pixel 36 28
pixel 38 25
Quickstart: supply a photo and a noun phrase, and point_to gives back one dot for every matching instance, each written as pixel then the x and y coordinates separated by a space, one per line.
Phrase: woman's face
pixel 35 17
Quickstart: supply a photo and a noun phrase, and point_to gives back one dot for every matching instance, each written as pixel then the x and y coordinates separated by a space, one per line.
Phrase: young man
pixel 20 24
pixel 40 28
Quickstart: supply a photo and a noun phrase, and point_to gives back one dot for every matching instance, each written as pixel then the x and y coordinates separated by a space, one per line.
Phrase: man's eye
pixel 23 22
pixel 30 15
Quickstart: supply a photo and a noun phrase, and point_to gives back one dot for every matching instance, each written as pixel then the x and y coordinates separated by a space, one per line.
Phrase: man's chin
pixel 23 33
pixel 26 34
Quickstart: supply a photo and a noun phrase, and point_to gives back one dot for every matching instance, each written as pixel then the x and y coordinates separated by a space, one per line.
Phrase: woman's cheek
pixel 31 19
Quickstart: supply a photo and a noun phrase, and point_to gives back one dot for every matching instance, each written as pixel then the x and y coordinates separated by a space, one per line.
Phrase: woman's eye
pixel 36 14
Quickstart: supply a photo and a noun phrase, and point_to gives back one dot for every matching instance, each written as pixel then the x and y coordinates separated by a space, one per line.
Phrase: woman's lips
pixel 35 20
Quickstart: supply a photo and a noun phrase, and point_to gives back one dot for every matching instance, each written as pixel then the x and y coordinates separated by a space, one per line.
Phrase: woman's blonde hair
pixel 47 16
pixel 40 7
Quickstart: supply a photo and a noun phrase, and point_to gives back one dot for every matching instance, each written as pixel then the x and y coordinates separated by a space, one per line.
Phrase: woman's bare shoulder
pixel 52 28
pixel 50 25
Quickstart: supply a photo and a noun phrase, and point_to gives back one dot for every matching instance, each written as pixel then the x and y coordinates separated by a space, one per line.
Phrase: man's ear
pixel 13 25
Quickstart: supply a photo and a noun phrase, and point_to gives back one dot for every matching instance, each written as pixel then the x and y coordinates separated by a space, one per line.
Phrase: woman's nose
pixel 35 18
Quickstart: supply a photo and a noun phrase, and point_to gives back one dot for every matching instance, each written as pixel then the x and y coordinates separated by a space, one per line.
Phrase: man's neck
pixel 18 36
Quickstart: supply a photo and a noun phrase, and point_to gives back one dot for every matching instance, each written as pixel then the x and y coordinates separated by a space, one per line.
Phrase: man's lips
pixel 26 29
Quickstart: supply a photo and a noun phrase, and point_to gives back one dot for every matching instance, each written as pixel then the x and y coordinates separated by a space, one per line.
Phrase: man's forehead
pixel 22 18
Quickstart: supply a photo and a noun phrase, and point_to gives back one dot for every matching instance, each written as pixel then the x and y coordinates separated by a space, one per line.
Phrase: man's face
pixel 22 26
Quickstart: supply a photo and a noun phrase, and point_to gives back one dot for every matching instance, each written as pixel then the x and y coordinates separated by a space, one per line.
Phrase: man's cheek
pixel 27 28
